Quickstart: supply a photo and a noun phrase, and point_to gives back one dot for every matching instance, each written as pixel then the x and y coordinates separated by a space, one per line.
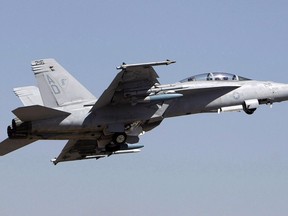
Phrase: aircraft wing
pixel 9 145
pixel 87 149
pixel 131 80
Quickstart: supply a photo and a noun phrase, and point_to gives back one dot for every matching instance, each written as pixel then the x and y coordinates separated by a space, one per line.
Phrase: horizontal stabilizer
pixel 9 145
pixel 37 112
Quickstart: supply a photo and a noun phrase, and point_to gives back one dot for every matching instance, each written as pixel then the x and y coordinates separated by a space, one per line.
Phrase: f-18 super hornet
pixel 60 108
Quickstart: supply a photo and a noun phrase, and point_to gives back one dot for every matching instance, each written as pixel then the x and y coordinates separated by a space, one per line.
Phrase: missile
pixel 161 97
pixel 124 65
pixel 127 151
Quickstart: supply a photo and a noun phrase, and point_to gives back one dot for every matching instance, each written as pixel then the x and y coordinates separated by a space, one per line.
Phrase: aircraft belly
pixel 56 130
pixel 120 114
pixel 71 127
pixel 91 125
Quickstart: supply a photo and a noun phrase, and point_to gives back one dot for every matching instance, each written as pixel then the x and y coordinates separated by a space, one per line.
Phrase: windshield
pixel 216 76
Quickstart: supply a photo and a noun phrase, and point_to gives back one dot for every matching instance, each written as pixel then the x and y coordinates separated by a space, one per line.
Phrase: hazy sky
pixel 207 164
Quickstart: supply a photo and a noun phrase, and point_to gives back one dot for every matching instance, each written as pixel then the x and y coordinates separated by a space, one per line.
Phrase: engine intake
pixel 250 106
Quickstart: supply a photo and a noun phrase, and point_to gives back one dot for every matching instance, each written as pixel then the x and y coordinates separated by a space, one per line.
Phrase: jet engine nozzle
pixel 19 129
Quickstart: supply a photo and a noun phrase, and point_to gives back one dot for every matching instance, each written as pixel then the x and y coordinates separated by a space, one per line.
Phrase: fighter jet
pixel 60 108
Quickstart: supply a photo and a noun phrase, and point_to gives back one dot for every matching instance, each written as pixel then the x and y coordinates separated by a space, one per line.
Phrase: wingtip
pixel 170 61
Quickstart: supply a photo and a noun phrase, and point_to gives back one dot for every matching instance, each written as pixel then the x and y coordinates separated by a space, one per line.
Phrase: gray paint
pixel 61 108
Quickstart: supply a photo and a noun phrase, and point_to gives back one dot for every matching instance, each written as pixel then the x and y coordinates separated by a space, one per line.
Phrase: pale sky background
pixel 206 164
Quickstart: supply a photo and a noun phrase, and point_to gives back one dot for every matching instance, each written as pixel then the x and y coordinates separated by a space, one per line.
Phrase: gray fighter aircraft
pixel 60 108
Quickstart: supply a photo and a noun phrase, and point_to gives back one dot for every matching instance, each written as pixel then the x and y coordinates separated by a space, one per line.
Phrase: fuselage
pixel 197 96
pixel 216 97
pixel 60 108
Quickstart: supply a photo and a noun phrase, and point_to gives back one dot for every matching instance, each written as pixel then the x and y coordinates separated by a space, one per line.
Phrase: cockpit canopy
pixel 216 76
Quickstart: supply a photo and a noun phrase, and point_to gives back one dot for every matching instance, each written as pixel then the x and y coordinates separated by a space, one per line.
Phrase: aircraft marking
pixel 53 85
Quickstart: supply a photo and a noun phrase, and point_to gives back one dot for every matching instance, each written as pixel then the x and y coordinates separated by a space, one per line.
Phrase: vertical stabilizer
pixel 57 86
pixel 29 95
